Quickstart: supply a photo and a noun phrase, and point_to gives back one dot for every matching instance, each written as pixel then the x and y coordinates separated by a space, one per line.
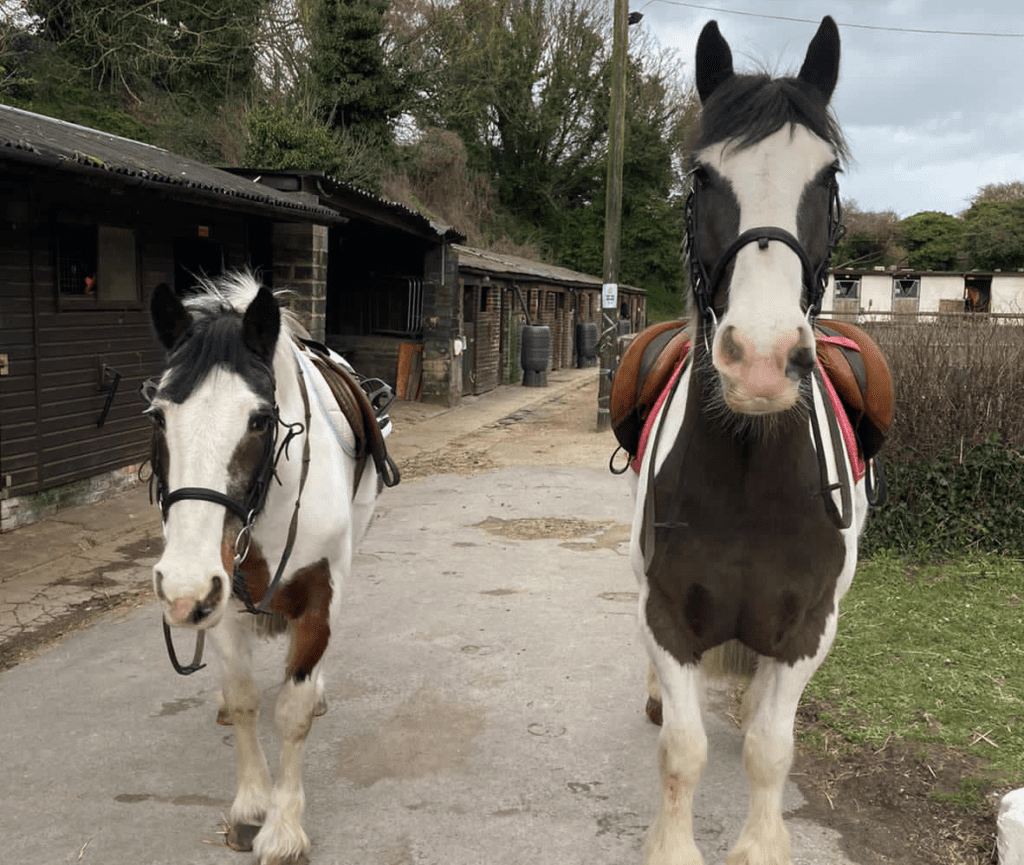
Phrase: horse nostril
pixel 208 604
pixel 158 581
pixel 800 362
pixel 732 350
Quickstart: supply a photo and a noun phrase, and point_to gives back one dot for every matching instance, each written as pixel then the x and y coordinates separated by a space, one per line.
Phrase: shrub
pixel 969 498
pixel 958 379
pixel 953 459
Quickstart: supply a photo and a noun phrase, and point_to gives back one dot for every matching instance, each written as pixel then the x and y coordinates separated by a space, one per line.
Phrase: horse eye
pixel 157 417
pixel 259 422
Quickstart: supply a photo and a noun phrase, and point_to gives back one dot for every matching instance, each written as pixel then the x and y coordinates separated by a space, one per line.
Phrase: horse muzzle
pixel 759 383
pixel 192 609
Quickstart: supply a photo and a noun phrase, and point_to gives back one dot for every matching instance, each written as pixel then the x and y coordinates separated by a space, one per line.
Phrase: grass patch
pixel 930 653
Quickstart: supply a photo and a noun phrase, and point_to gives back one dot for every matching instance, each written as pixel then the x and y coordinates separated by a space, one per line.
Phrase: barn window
pixel 485 295
pixel 904 287
pixel 847 288
pixel 98 264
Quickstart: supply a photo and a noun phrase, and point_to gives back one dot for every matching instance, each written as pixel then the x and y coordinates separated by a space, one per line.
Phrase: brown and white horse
pixel 748 513
pixel 241 507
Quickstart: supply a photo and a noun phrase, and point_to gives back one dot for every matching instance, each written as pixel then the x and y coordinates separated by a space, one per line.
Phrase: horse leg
pixel 653 707
pixel 282 840
pixel 224 716
pixel 682 755
pixel 770 710
pixel 241 706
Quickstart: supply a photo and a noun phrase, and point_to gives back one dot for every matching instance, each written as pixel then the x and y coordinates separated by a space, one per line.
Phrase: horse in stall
pixel 747 514
pixel 238 505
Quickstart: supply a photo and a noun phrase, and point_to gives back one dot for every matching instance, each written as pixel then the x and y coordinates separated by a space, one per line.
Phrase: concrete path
pixel 485 687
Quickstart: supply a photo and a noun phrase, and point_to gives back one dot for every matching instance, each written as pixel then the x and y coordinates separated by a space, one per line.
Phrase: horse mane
pixel 746 109
pixel 217 308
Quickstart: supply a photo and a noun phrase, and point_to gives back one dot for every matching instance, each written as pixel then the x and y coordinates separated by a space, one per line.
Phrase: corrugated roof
pixel 514 266
pixel 62 146
pixel 353 202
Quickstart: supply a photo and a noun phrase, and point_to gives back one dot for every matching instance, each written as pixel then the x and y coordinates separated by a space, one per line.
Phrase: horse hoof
pixel 301 859
pixel 224 718
pixel 241 835
pixel 320 709
pixel 654 711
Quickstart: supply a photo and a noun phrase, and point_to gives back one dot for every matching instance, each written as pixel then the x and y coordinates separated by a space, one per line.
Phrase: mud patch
pixel 176 707
pixel 885 802
pixel 624 597
pixel 544 528
pixel 427 735
pixel 184 801
pixel 454 460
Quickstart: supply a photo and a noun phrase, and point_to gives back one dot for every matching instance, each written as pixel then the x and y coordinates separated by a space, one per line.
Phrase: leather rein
pixel 247 512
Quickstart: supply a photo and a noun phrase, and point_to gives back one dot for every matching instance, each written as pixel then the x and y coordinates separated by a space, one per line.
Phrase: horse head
pixel 762 218
pixel 214 428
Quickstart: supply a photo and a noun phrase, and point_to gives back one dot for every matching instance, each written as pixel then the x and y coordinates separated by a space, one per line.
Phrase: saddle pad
pixel 640 378
pixel 857 461
pixel 854 364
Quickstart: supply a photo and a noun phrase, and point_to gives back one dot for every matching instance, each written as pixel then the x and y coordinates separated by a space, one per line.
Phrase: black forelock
pixel 214 341
pixel 746 109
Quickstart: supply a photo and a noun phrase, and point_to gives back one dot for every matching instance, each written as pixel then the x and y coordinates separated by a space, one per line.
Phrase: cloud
pixel 930 117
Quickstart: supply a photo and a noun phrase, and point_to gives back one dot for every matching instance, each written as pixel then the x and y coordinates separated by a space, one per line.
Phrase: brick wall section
pixel 24 510
pixel 300 264
pixel 442 320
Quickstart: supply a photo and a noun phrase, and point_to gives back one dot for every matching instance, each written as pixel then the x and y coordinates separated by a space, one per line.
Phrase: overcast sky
pixel 930 117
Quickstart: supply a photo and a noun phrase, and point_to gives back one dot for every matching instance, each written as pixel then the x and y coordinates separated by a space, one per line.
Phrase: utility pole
pixel 613 213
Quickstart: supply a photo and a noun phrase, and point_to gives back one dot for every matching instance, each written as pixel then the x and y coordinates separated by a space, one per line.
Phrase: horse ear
pixel 714 61
pixel 261 324
pixel 821 65
pixel 170 318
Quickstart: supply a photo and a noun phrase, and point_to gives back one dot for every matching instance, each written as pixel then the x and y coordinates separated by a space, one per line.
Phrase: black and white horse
pixel 748 509
pixel 243 506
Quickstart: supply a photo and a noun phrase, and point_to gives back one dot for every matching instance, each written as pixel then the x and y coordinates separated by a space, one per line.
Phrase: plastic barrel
pixel 535 355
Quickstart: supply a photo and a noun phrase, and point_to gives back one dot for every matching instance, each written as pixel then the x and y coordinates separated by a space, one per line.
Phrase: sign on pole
pixel 610 295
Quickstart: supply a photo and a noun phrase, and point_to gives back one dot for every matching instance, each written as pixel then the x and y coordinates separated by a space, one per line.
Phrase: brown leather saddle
pixel 860 376
pixel 362 412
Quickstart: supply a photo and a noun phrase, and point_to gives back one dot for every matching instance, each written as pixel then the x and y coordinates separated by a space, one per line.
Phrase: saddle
pixel 365 412
pixel 848 356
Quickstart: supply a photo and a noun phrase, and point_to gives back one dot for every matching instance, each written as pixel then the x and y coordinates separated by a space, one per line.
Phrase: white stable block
pixel 1010 828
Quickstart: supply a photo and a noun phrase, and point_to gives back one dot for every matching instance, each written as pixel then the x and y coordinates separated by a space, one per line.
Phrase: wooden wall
pixel 51 400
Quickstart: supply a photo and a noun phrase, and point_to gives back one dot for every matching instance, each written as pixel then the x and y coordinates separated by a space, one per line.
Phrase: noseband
pixel 815 279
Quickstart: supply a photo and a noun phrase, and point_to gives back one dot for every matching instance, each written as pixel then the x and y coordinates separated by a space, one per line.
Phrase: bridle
pixel 815 279
pixel 247 510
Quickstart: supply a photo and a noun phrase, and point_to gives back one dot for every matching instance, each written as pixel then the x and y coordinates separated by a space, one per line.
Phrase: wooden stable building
pixel 89 223
pixel 502 293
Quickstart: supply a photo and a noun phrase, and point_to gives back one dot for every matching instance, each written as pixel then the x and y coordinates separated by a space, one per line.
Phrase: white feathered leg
pixel 241 703
pixel 682 755
pixel 768 753
pixel 282 840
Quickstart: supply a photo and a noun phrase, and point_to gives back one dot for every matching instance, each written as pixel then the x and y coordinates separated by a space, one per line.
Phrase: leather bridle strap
pixel 205 495
pixel 762 235
pixel 293 527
